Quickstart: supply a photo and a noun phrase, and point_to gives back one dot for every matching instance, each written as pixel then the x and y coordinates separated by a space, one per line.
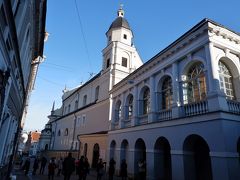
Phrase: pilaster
pixel 152 114
pixel 135 106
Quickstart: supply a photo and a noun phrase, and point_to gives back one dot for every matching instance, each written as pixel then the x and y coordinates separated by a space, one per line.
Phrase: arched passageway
pixel 85 150
pixel 162 159
pixel 112 149
pixel 139 158
pixel 197 162
pixel 95 157
pixel 124 151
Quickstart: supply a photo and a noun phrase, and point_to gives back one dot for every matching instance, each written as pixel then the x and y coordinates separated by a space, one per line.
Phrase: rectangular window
pixel 125 36
pixel 108 63
pixel 124 61
pixel 83 120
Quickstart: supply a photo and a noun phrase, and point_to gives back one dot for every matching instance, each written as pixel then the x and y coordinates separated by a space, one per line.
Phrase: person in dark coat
pixel 86 168
pixel 43 164
pixel 111 170
pixel 26 166
pixel 51 169
pixel 80 168
pixel 68 166
pixel 123 170
pixel 35 166
pixel 100 169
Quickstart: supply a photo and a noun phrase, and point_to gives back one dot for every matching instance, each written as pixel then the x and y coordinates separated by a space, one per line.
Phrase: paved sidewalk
pixel 18 174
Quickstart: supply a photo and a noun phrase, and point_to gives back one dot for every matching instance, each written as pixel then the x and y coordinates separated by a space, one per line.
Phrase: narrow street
pixel 18 174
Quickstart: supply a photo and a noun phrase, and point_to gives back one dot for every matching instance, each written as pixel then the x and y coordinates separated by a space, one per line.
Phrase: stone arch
pixel 189 64
pixel 124 151
pixel 161 95
pixel 129 106
pixel 144 106
pixel 113 149
pixel 96 154
pixel 197 162
pixel 139 155
pixel 118 110
pixel 194 84
pixel 162 159
pixel 235 73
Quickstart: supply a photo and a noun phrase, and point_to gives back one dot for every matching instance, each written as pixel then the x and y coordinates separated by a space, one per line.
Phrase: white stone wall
pixel 209 44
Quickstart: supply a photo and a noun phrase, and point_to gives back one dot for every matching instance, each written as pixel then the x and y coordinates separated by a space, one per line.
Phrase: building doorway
pixel 162 159
pixel 95 158
pixel 197 162
pixel 139 157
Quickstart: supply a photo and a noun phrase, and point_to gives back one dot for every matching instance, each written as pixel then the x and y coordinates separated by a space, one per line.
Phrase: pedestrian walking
pixel 43 164
pixel 111 170
pixel 80 168
pixel 100 169
pixel 68 166
pixel 86 168
pixel 35 166
pixel 123 170
pixel 51 169
pixel 59 166
pixel 142 170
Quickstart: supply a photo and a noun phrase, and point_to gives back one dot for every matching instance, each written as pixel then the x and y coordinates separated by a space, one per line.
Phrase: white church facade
pixel 179 112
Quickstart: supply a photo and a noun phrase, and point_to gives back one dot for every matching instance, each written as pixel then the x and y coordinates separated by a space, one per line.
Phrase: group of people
pixel 69 165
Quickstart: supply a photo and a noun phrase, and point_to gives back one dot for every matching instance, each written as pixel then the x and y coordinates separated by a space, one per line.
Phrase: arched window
pixel 84 100
pixel 96 93
pixel 66 132
pixel 76 105
pixel 167 93
pixel 130 106
pixel 146 101
pixel 118 110
pixel 194 88
pixel 225 80
pixel 59 132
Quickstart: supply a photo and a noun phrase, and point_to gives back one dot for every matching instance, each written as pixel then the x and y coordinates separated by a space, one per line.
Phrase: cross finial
pixel 121 6
pixel 121 11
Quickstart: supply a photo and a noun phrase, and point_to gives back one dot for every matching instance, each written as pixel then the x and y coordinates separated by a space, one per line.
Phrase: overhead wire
pixel 83 35
pixel 51 82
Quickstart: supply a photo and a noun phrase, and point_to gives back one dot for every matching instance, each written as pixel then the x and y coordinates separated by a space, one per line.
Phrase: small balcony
pixel 200 107
pixel 165 114
pixel 233 106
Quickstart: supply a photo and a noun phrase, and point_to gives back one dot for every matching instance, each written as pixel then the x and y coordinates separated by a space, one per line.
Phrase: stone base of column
pixel 217 101
pixel 152 117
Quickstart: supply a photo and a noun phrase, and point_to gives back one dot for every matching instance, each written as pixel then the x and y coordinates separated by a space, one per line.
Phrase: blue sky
pixel 155 25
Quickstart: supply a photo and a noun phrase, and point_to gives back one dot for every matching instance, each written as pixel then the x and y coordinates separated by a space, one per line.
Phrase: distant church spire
pixel 53 107
pixel 120 11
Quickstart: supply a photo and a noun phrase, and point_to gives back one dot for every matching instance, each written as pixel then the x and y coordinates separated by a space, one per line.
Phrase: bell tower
pixel 120 57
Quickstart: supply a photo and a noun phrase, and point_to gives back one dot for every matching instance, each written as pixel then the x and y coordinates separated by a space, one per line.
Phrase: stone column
pixel 177 165
pixel 225 165
pixel 216 98
pixel 152 114
pixel 150 164
pixel 176 90
pixel 135 106
pixel 131 163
